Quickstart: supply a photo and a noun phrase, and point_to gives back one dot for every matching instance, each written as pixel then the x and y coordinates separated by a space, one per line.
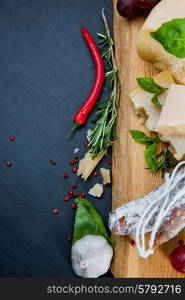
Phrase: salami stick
pixel 161 212
pixel 124 219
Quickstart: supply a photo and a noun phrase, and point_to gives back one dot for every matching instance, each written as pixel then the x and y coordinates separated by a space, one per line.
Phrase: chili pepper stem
pixel 75 126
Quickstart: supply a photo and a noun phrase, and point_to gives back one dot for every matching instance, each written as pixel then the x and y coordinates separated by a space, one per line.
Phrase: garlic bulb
pixel 91 256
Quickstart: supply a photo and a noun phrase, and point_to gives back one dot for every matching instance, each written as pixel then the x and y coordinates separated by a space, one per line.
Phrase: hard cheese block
pixel 172 117
pixel 150 49
pixel 144 108
pixel 149 113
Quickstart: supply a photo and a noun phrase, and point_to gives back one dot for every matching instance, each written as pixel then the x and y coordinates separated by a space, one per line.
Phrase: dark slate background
pixel 46 72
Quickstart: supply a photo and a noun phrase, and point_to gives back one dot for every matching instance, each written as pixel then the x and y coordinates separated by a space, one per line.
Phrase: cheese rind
pixel 150 49
pixel 172 117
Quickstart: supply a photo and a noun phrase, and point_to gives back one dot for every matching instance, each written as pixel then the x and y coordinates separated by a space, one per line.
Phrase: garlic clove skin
pixel 91 256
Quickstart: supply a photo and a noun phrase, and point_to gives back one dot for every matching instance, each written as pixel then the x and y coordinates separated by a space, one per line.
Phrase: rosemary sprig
pixel 166 163
pixel 156 162
pixel 103 134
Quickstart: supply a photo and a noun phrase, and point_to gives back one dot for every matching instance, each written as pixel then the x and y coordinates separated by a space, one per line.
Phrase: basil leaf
pixel 171 35
pixel 149 85
pixel 150 156
pixel 142 138
pixel 88 221
pixel 155 100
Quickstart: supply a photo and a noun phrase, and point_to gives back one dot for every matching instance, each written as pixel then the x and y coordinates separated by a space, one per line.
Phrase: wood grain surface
pixel 130 178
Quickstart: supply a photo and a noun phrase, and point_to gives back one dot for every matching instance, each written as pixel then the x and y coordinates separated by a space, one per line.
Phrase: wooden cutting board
pixel 130 178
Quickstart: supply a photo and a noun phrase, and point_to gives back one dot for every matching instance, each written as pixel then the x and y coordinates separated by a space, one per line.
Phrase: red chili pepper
pixel 81 115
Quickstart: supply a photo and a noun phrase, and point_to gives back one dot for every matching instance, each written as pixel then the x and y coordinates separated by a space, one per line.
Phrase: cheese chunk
pixel 150 49
pixel 149 114
pixel 96 190
pixel 176 145
pixel 105 173
pixel 87 164
pixel 144 108
pixel 172 118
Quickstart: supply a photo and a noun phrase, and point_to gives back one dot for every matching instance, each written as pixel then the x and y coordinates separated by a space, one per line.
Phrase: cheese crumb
pixel 89 131
pixel 105 173
pixel 87 164
pixel 76 150
pixel 96 190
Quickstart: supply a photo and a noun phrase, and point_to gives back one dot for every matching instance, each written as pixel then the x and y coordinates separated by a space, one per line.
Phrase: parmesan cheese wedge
pixel 105 175
pixel 150 49
pixel 144 108
pixel 172 117
pixel 96 190
pixel 149 113
pixel 87 164
pixel 176 145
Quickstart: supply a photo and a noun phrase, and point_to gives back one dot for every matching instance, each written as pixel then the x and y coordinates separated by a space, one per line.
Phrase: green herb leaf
pixel 149 85
pixel 171 35
pixel 142 138
pixel 88 221
pixel 155 100
pixel 162 161
pixel 150 156
pixel 103 36
pixel 166 163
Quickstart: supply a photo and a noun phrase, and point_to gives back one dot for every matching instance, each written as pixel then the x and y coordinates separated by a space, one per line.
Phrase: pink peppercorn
pixel 74 185
pixel 109 162
pixel 66 175
pixel 66 198
pixel 8 163
pixel 85 144
pixel 12 138
pixel 72 162
pixel 74 170
pixel 69 238
pixel 82 195
pixel 132 242
pixel 74 206
pixel 53 162
pixel 95 173
pixel 55 210
pixel 70 192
